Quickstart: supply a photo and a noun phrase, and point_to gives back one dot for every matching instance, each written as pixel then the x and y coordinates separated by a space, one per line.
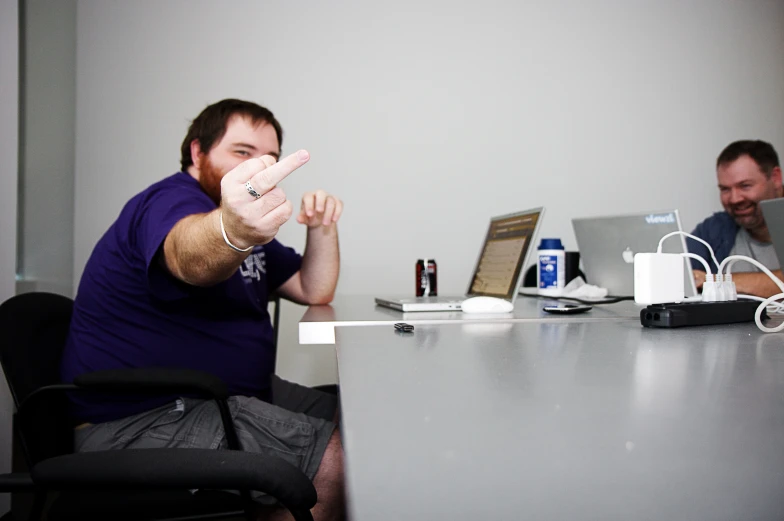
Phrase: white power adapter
pixel 658 278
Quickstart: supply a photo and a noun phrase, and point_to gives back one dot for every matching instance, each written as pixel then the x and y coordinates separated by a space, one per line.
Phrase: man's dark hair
pixel 761 152
pixel 210 126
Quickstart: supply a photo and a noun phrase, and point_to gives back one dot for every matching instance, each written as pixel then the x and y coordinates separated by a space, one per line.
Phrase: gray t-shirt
pixel 762 252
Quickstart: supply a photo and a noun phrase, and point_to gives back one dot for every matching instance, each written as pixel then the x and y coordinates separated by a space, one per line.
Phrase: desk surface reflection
pixel 579 420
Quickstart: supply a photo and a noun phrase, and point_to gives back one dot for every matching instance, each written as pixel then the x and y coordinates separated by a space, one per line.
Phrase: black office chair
pixel 149 484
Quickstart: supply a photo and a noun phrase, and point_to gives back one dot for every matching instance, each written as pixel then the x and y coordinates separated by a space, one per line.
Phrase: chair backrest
pixel 274 299
pixel 33 330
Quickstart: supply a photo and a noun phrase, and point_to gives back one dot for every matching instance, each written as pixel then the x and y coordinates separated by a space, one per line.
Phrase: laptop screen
pixel 773 211
pixel 500 266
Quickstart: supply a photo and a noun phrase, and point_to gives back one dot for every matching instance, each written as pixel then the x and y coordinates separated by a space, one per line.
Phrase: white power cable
pixel 690 236
pixel 758 314
pixel 732 259
pixel 770 304
pixel 697 257
pixel 773 307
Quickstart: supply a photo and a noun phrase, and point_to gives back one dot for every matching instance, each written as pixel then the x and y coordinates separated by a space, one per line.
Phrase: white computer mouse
pixel 486 305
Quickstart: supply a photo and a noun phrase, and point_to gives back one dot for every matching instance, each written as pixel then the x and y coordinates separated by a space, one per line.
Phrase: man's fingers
pixel 305 207
pixel 266 179
pixel 268 160
pixel 277 217
pixel 249 168
pixel 699 278
pixel 267 202
pixel 321 206
pixel 338 211
pixel 321 198
pixel 329 210
pixel 307 204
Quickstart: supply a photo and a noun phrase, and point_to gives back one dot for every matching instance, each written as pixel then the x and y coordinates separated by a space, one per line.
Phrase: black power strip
pixel 699 313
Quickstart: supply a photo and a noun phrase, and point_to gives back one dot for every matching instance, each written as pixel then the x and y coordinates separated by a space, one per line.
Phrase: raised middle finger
pixel 268 178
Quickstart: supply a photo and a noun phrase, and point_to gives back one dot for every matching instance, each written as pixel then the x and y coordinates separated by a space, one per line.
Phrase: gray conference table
pixel 318 324
pixel 589 420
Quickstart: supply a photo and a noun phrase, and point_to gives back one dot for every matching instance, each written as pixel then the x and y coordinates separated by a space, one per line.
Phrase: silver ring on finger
pixel 252 191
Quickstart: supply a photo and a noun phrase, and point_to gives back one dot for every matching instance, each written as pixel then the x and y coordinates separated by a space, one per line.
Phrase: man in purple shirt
pixel 182 279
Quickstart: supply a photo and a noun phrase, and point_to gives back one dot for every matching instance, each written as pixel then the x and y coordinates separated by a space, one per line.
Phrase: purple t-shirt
pixel 131 312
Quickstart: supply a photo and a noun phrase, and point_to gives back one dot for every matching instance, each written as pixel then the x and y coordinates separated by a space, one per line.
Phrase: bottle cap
pixel 551 244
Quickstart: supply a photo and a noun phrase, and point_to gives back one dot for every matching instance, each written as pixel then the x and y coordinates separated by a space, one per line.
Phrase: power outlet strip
pixel 699 313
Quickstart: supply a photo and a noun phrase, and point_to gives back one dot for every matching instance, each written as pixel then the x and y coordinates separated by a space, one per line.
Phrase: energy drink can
pixel 426 278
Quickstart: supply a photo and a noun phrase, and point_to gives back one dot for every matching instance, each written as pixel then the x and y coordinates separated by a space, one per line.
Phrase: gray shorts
pixel 296 426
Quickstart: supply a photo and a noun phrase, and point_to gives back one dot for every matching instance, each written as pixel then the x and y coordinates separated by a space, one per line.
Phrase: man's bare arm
pixel 758 284
pixel 317 279
pixel 321 264
pixel 195 253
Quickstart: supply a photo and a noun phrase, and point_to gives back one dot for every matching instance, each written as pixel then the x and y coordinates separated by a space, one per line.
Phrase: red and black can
pixel 426 279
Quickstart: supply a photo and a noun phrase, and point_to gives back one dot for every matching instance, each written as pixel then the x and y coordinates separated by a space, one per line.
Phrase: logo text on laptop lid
pixel 660 218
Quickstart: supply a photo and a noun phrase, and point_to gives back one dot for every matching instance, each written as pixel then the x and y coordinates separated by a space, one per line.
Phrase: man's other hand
pixel 699 278
pixel 319 209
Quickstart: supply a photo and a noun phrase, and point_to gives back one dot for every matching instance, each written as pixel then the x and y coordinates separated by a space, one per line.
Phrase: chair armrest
pixel 164 380
pixel 146 469
pixel 161 380
pixel 16 482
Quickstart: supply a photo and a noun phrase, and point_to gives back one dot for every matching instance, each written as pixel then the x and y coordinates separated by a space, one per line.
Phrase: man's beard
pixel 210 179
pixel 753 219
pixel 748 220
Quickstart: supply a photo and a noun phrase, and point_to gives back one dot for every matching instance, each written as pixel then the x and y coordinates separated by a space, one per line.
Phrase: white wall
pixel 9 149
pixel 448 111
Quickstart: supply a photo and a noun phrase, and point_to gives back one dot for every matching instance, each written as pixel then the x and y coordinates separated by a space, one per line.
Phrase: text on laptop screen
pixel 498 270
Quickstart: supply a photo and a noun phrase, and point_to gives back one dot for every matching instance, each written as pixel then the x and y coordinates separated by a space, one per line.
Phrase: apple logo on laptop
pixel 628 255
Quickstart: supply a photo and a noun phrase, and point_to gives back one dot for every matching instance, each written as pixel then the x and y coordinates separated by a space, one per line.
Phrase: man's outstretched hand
pixel 249 220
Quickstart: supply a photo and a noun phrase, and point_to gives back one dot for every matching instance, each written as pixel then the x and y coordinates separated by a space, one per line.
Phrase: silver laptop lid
pixel 607 246
pixel 773 211
pixel 507 244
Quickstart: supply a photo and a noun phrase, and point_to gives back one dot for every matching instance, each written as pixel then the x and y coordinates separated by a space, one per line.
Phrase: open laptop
pixel 607 246
pixel 773 211
pixel 499 268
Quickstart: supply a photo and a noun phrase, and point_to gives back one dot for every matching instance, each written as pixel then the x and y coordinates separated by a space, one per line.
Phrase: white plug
pixel 721 289
pixel 709 292
pixel 729 287
pixel 658 278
